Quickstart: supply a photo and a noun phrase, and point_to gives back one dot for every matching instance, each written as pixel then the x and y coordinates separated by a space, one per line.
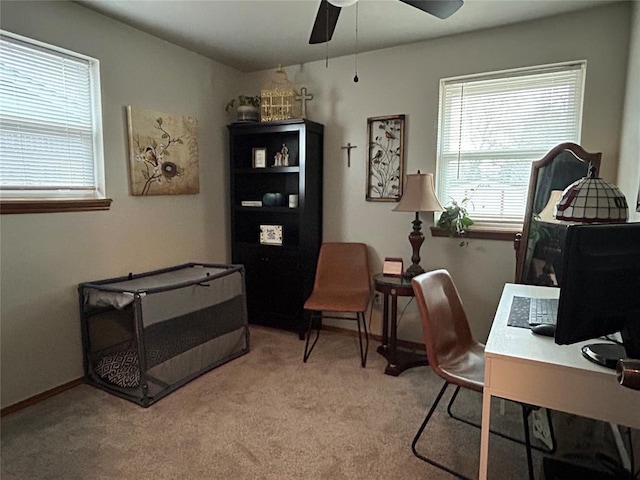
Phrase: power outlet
pixel 541 427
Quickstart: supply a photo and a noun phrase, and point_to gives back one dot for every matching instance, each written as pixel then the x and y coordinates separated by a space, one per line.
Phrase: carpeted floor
pixel 265 415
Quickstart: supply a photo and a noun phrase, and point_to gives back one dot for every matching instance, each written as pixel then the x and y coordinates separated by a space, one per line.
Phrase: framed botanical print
pixel 385 164
pixel 271 234
pixel 259 158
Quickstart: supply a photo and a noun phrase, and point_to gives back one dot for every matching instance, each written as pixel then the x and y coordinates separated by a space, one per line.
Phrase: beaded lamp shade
pixel 278 100
pixel 592 200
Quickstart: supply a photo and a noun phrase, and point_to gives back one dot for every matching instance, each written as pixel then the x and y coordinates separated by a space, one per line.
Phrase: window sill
pixel 53 206
pixel 507 235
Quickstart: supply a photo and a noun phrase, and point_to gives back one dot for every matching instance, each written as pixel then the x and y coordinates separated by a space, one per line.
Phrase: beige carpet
pixel 265 415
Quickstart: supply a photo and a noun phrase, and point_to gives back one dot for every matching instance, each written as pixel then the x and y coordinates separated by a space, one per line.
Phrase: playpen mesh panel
pixel 172 337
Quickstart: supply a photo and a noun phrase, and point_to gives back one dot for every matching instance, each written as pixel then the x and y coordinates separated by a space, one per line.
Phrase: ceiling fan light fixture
pixel 342 3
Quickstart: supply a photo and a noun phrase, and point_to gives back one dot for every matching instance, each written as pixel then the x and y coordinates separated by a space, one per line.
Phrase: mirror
pixel 539 247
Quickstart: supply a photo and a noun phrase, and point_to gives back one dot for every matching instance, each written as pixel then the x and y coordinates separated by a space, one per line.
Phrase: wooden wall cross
pixel 304 97
pixel 348 149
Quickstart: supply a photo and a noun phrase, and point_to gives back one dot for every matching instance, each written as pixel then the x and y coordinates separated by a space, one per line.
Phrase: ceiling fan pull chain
pixel 355 78
pixel 326 61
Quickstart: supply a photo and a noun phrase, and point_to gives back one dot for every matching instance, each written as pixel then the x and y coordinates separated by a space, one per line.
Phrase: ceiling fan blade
pixel 438 8
pixel 325 23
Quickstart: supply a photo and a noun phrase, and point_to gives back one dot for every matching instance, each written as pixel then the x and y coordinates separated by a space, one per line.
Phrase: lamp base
pixel 415 239
pixel 413 271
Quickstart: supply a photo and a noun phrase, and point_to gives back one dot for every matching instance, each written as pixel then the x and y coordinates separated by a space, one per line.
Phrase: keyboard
pixel 543 311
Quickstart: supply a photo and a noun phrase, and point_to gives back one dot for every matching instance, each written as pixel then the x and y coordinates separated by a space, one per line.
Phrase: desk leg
pixel 486 422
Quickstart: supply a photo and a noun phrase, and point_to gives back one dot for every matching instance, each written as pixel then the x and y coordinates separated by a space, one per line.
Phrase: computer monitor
pixel 600 290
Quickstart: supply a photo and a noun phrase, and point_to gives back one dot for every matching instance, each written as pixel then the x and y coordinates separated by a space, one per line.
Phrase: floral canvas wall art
pixel 163 153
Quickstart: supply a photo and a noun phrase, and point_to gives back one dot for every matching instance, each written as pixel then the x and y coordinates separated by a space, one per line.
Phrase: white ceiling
pixel 253 35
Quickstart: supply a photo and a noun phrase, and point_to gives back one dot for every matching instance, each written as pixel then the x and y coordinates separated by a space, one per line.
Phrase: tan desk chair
pixel 453 353
pixel 342 284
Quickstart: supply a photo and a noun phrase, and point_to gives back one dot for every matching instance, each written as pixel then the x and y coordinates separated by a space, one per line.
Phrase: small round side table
pixel 398 360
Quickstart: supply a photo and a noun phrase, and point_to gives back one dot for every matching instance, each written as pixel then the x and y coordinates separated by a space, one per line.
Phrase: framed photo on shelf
pixel 385 160
pixel 392 267
pixel 271 235
pixel 259 158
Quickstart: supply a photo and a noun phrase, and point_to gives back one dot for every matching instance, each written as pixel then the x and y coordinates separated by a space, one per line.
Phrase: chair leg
pixel 363 354
pixel 419 434
pixel 307 350
pixel 500 434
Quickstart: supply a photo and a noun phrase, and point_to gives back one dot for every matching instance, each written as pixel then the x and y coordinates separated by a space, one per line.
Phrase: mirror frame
pixel 521 240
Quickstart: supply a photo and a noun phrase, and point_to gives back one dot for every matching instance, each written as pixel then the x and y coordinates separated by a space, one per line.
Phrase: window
pixel 50 127
pixel 492 126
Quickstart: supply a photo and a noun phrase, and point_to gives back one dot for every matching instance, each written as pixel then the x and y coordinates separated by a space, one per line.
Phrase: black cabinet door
pixel 275 294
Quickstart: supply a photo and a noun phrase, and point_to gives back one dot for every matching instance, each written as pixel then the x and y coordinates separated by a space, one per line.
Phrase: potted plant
pixel 455 219
pixel 247 108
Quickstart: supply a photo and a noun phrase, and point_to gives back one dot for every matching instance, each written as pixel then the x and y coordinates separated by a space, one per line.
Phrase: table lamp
pixel 419 196
pixel 592 200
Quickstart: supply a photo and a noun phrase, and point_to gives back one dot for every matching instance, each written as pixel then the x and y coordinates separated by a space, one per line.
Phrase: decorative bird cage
pixel 279 101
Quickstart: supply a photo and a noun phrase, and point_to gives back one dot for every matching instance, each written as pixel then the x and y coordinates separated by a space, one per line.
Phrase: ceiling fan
pixel 329 10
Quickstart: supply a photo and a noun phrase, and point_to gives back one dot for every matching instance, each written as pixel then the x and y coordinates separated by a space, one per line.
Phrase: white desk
pixel 528 368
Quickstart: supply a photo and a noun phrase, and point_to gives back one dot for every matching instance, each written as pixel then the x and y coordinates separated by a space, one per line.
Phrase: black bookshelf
pixel 279 277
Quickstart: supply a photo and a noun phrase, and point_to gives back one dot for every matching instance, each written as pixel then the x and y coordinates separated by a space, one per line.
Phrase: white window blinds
pixel 50 140
pixel 491 128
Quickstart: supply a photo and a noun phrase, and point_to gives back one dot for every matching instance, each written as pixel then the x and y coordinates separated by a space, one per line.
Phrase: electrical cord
pixel 403 310
pixel 399 318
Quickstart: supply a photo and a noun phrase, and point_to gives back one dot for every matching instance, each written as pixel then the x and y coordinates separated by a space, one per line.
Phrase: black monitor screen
pixel 600 290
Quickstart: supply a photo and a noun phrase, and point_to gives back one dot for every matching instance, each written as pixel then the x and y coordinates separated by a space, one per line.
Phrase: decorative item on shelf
pixel 392 267
pixel 251 203
pixel 259 157
pixel 273 199
pixel 385 167
pixel 592 200
pixel 247 108
pixel 293 200
pixel 281 159
pixel 278 101
pixel 455 219
pixel 419 196
pixel 271 235
pixel 303 98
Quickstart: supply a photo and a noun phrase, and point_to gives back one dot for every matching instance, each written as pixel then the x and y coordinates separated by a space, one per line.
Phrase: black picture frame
pixel 385 159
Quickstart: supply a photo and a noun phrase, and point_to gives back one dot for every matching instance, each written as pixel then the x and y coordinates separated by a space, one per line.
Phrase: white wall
pixel 45 256
pixel 629 169
pixel 406 80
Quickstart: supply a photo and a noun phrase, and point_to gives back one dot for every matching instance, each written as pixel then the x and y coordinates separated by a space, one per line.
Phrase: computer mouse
pixel 545 329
